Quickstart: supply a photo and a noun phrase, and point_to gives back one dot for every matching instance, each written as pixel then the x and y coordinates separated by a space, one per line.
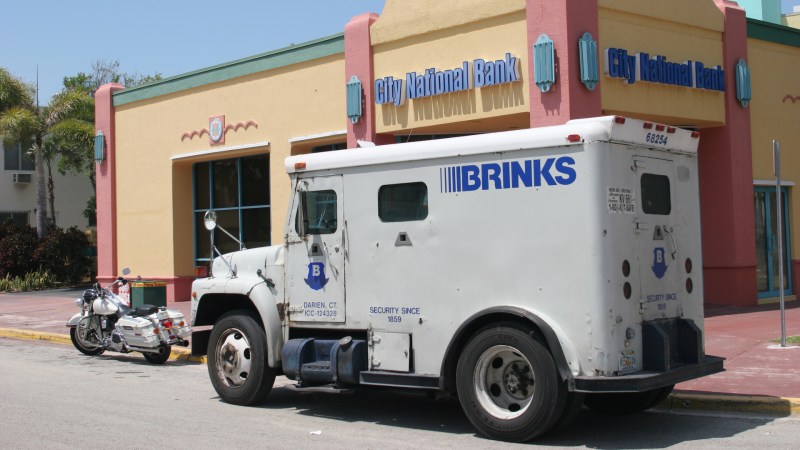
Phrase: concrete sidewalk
pixel 760 376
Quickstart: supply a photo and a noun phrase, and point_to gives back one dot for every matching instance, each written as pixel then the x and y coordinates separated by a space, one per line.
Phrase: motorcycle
pixel 106 322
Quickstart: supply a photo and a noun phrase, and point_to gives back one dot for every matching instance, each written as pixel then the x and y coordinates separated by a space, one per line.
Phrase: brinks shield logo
pixel 659 262
pixel 316 276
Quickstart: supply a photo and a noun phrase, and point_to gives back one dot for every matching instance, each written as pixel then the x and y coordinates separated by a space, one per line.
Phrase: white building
pixel 18 191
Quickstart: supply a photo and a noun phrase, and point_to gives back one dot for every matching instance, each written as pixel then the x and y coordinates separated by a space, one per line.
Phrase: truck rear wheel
pixel 237 360
pixel 508 384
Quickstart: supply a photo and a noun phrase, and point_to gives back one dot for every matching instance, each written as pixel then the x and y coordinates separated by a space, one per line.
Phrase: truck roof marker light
pixel 660 127
pixel 619 119
pixel 647 125
pixel 574 138
pixel 670 129
pixel 299 166
pixel 695 134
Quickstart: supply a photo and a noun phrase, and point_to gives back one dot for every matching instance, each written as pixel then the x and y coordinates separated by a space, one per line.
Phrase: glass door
pixel 767 269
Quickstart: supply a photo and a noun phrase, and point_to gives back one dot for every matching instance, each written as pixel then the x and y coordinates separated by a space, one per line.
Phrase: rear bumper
pixel 648 380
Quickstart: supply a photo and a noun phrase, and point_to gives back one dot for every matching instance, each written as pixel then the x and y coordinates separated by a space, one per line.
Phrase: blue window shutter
pixel 354 95
pixel 743 93
pixel 587 48
pixel 544 63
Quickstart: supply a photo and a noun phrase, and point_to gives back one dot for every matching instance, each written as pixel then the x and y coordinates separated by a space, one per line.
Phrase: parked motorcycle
pixel 106 322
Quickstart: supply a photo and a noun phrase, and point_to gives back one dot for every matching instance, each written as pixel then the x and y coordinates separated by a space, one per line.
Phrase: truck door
pixel 315 256
pixel 657 231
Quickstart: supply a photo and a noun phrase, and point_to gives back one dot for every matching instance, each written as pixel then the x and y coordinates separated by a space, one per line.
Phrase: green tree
pixel 19 122
pixel 25 122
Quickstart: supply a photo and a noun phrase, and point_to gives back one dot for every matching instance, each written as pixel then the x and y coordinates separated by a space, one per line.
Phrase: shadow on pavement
pixel 420 411
pixel 712 310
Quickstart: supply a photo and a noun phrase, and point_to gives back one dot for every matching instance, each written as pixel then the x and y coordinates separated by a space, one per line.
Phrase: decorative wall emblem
pixel 217 129
pixel 544 63
pixel 354 96
pixel 587 48
pixel 743 92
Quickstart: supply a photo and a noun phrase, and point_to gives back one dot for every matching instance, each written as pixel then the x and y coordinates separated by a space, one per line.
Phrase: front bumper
pixel 648 380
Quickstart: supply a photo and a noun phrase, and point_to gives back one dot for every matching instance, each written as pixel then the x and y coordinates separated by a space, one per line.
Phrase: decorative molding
pixel 743 91
pixel 587 49
pixel 235 127
pixel 312 137
pixel 218 150
pixel 793 98
pixel 544 65
pixel 772 183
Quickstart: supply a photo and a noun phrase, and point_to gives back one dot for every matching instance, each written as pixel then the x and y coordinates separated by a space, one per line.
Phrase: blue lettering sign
pixel 508 175
pixel 657 69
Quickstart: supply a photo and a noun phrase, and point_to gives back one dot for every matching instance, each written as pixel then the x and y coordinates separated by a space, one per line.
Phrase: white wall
pixel 71 192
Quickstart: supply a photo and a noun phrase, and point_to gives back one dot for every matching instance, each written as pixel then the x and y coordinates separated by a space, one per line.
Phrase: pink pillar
pixel 564 22
pixel 358 62
pixel 726 184
pixel 106 184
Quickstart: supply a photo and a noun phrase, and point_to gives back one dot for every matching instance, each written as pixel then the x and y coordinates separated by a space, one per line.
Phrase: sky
pixel 170 37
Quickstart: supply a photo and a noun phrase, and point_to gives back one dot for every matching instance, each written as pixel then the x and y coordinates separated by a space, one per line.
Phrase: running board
pixel 324 389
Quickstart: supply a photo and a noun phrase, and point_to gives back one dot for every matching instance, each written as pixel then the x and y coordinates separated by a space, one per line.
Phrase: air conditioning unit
pixel 22 178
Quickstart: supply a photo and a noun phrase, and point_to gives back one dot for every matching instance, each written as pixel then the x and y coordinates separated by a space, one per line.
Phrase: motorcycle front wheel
pixel 159 358
pixel 84 346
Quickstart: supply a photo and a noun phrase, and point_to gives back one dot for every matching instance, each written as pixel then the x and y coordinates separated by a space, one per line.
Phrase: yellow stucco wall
pixel 442 35
pixel 775 115
pixel 155 192
pixel 680 30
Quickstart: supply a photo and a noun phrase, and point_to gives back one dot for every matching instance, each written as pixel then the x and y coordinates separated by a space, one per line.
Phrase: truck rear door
pixel 657 228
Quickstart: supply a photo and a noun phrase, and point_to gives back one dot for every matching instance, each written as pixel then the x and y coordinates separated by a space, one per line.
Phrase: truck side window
pixel 655 194
pixel 318 212
pixel 403 202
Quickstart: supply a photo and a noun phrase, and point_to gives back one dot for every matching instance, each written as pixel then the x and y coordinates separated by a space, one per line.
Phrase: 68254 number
pixel 654 138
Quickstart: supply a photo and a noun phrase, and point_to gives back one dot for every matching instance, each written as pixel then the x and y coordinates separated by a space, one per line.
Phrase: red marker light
pixel 166 324
pixel 299 166
pixel 660 127
pixel 619 119
pixel 695 134
pixel 647 125
pixel 574 138
pixel 670 129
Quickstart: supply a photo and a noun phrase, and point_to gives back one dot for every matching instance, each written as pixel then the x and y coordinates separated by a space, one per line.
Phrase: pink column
pixel 565 22
pixel 358 62
pixel 106 185
pixel 726 184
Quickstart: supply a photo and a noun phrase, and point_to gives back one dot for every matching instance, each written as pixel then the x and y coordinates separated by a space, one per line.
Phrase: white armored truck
pixel 529 272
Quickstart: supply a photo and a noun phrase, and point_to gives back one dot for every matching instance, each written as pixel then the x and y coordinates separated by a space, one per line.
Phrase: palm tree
pixel 67 120
pixel 18 122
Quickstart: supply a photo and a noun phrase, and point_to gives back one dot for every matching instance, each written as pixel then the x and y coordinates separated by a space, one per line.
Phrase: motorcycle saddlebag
pixel 138 331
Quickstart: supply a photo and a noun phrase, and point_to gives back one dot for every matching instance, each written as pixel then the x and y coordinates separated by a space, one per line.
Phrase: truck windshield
pixel 317 213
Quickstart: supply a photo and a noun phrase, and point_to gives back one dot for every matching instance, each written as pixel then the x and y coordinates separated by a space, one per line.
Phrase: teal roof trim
pixel 779 34
pixel 293 54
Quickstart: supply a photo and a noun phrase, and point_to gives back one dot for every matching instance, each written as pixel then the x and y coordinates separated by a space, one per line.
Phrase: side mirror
pixel 210 220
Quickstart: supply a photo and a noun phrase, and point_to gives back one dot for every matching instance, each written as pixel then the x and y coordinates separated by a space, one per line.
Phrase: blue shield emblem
pixel 316 276
pixel 659 262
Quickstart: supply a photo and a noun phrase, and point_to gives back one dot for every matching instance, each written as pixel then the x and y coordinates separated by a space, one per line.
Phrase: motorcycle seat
pixel 143 310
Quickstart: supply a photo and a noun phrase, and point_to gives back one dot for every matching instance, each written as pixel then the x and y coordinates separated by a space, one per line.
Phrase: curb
pixel 178 353
pixel 732 403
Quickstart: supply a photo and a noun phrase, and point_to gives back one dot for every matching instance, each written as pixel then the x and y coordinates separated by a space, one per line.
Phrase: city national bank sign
pixel 656 69
pixel 430 82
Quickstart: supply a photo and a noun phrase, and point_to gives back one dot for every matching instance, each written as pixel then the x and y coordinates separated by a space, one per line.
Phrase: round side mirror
pixel 210 220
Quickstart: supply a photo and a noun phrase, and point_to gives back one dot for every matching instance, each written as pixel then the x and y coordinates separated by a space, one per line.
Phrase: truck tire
pixel 508 384
pixel 626 402
pixel 237 359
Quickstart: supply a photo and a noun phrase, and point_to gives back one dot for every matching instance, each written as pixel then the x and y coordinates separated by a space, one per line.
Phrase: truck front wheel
pixel 508 385
pixel 237 359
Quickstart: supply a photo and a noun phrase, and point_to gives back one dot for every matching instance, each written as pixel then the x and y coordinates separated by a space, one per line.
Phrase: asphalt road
pixel 51 396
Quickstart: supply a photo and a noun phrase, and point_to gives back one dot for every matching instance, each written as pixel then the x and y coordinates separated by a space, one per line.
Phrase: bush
pixel 32 281
pixel 63 254
pixel 17 247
